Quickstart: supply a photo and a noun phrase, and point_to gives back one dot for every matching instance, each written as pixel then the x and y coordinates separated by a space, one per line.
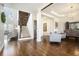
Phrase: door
pixel 35 29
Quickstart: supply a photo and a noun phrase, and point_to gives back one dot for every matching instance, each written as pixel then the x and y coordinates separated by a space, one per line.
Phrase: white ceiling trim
pixel 48 15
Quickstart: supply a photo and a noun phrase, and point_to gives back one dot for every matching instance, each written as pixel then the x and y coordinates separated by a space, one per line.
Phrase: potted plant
pixel 3 17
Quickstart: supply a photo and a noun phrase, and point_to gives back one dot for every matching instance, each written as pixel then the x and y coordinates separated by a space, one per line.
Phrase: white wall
pixel 61 25
pixel 30 26
pixel 11 16
pixel 39 26
pixel 1 30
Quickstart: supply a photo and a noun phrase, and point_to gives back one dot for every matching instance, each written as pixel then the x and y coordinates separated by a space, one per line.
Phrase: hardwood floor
pixel 44 48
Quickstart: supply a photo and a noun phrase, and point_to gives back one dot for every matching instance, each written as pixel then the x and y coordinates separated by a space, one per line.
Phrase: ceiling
pixel 28 7
pixel 63 9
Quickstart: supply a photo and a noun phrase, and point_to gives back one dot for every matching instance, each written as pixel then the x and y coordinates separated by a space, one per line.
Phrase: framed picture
pixel 56 24
pixel 45 27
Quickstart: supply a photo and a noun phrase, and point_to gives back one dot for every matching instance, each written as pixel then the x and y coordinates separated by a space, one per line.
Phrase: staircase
pixel 25 32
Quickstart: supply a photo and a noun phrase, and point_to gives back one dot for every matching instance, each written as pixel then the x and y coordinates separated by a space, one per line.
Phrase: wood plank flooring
pixel 44 48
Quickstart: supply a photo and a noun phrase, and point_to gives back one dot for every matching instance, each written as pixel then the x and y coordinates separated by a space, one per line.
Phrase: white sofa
pixel 56 37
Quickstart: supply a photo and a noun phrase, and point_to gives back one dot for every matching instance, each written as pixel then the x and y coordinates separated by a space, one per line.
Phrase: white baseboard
pixel 38 40
pixel 25 39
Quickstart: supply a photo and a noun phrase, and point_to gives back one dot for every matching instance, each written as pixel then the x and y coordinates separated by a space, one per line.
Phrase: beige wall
pixel 50 24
